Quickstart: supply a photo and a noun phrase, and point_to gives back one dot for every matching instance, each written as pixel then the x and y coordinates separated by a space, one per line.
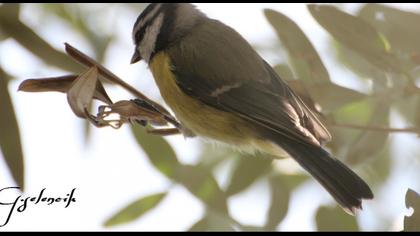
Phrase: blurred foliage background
pixel 377 44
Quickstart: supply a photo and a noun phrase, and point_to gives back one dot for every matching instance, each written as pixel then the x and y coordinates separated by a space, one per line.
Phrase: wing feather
pixel 229 75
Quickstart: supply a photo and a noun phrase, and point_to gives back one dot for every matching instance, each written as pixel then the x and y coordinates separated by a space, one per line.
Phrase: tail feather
pixel 347 188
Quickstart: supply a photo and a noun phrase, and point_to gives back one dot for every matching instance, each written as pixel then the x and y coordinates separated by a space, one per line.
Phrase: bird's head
pixel 160 25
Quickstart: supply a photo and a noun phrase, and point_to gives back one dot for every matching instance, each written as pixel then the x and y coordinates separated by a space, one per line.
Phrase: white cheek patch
pixel 147 45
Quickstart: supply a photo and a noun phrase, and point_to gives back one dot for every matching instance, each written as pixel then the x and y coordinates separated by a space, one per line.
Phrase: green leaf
pixel 9 137
pixel 211 156
pixel 281 187
pixel 197 179
pixel 25 36
pixel 359 65
pixel 370 143
pixel 380 168
pixel 247 170
pixel 158 150
pixel 293 181
pixel 87 128
pixel 212 222
pixel 77 15
pixel 135 210
pixel 332 96
pixel 252 228
pixel 357 35
pixel 280 197
pixel 408 107
pixel 200 182
pixel 325 94
pixel 304 59
pixel 322 93
pixel 11 8
pixel 417 116
pixel 412 199
pixel 201 225
pixel 400 27
pixel 335 219
pixel 3 36
pixel 358 113
pixel 408 104
pixel 284 72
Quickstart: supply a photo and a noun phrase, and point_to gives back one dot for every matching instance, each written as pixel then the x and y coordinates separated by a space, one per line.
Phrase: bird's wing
pixel 227 74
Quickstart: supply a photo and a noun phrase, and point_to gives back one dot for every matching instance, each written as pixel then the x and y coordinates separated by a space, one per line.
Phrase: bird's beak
pixel 136 57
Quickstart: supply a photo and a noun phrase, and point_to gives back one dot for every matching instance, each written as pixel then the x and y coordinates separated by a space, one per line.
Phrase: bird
pixel 221 89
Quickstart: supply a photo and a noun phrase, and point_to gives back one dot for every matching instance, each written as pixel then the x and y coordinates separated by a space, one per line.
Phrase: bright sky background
pixel 111 171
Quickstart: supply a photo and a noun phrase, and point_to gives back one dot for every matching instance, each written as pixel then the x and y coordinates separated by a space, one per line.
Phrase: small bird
pixel 221 89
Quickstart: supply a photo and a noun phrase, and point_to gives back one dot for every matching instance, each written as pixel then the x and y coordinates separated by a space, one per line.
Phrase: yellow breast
pixel 204 120
pixel 201 119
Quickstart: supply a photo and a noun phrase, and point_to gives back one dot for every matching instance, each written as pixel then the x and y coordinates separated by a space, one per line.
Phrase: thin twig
pixel 378 128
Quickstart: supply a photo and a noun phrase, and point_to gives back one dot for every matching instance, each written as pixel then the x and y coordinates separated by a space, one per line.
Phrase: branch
pixel 377 128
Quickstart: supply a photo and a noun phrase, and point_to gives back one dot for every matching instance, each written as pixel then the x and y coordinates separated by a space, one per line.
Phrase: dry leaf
pixel 61 84
pixel 130 111
pixel 80 94
pixel 55 84
pixel 85 60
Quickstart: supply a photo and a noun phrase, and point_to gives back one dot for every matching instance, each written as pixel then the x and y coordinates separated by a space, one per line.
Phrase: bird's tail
pixel 347 188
